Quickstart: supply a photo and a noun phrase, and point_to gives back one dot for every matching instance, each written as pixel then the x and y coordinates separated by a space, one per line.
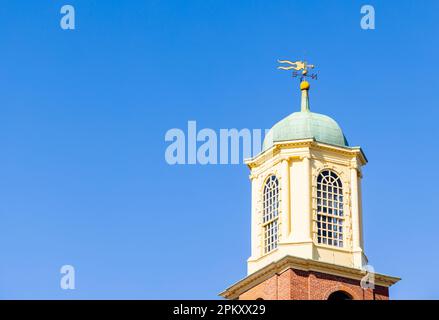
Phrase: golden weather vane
pixel 298 66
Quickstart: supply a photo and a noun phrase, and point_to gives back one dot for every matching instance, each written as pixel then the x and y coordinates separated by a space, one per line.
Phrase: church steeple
pixel 306 210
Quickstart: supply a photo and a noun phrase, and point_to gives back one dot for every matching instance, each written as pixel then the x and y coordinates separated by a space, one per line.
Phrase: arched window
pixel 339 295
pixel 271 213
pixel 329 209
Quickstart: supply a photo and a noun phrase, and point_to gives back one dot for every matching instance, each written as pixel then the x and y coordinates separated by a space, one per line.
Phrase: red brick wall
pixel 309 285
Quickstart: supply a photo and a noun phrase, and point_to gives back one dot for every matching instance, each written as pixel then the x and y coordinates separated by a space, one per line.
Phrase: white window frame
pixel 331 214
pixel 270 213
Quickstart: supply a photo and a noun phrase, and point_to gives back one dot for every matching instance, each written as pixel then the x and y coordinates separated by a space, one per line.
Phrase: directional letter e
pixel 68 278
pixel 68 20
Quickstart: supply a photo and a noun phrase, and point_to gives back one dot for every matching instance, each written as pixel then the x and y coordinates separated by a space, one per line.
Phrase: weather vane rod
pixel 302 66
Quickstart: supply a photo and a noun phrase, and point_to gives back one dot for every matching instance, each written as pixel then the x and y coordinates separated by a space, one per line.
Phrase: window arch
pixel 339 295
pixel 330 214
pixel 270 213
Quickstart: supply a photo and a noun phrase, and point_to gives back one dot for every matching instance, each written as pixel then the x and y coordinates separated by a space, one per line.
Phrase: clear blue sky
pixel 83 114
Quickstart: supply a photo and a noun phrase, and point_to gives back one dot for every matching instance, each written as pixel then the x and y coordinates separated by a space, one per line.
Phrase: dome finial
pixel 304 85
pixel 304 103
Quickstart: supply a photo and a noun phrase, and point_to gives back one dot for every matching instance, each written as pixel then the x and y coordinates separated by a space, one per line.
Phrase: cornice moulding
pixel 290 262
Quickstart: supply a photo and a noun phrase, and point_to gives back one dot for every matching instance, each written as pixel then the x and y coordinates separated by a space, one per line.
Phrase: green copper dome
pixel 306 125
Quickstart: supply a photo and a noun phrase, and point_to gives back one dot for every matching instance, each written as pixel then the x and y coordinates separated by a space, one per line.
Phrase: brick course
pixel 293 284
